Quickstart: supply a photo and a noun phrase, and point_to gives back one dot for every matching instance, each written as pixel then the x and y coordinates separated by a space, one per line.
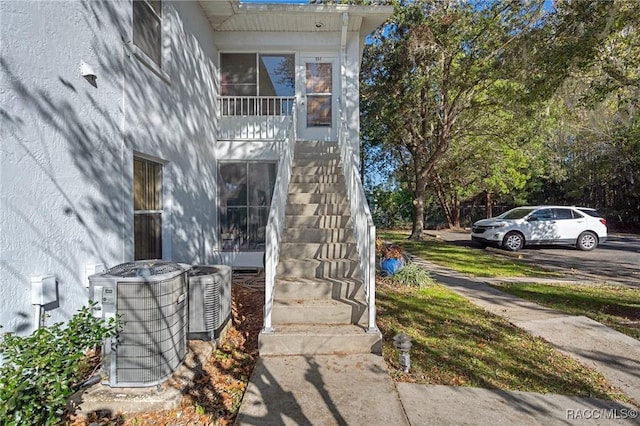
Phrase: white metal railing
pixel 365 230
pixel 254 117
pixel 256 105
pixel 275 223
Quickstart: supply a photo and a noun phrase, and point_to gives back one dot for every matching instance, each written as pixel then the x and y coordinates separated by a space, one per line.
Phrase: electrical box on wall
pixel 43 290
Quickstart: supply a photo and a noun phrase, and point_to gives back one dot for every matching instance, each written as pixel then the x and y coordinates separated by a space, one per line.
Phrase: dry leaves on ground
pixel 214 396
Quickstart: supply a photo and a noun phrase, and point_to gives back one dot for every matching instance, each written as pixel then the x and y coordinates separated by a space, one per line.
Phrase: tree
pixel 437 62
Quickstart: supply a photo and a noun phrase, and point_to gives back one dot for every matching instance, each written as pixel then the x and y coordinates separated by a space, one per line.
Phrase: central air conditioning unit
pixel 151 299
pixel 209 300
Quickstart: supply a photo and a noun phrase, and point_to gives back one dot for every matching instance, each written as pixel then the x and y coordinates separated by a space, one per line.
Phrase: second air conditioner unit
pixel 209 300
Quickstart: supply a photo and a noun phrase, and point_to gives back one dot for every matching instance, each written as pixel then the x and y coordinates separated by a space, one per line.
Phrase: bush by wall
pixel 40 372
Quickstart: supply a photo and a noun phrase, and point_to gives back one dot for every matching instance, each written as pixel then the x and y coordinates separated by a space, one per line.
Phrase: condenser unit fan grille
pixel 153 342
pixel 146 268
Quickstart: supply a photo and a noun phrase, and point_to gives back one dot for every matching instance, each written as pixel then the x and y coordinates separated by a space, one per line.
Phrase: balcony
pixel 254 117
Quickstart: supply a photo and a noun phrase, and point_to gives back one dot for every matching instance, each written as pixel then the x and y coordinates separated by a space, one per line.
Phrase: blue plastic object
pixel 388 267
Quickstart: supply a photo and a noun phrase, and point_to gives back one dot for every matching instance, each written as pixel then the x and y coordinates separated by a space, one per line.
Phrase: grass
pixel 462 259
pixel 456 343
pixel 615 306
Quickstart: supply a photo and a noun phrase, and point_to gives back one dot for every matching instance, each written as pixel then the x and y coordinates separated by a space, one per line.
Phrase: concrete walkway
pixel 357 389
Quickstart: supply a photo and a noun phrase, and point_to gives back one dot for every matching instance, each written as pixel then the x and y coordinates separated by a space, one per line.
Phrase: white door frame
pixel 321 133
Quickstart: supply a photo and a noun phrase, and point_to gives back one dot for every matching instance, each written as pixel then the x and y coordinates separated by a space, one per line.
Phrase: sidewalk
pixel 357 389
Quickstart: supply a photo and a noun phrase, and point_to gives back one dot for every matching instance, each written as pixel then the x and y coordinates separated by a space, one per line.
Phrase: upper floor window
pixel 147 206
pixel 249 75
pixel 147 28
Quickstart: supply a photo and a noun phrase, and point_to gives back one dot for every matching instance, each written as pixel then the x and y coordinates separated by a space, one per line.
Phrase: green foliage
pixel 412 275
pixel 39 372
pixel 445 71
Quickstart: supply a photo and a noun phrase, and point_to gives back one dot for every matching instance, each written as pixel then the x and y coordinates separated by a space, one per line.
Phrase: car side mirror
pixel 532 219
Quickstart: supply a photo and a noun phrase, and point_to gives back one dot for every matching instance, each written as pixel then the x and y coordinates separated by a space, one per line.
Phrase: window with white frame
pixel 147 205
pixel 247 76
pixel 245 190
pixel 147 28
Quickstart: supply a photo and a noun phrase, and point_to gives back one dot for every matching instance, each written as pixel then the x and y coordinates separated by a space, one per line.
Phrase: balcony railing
pixel 254 117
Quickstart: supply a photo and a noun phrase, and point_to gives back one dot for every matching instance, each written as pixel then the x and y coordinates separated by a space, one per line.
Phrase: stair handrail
pixel 364 229
pixel 275 222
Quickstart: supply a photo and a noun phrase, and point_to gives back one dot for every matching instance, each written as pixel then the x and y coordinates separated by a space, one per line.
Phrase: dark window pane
pixel 319 111
pixel 233 221
pixel 148 236
pixel 233 179
pixel 245 198
pixel 239 74
pixel 147 185
pixel 258 217
pixel 262 178
pixel 147 29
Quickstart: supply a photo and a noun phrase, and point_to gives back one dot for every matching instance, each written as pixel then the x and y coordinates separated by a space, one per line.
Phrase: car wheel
pixel 513 241
pixel 587 241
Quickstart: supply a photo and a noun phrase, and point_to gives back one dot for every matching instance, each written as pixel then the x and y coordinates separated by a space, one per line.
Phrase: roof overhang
pixel 235 16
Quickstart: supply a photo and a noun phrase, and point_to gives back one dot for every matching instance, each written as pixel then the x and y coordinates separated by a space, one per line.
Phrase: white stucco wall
pixel 67 147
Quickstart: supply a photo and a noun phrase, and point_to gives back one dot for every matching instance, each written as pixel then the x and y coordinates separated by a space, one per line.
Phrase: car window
pixel 515 214
pixel 590 212
pixel 563 214
pixel 542 214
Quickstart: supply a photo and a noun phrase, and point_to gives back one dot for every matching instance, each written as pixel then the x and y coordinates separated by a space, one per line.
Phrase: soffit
pixel 231 16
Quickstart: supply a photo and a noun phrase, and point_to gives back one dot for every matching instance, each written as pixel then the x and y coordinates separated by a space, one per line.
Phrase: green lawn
pixel 456 343
pixel 615 306
pixel 462 259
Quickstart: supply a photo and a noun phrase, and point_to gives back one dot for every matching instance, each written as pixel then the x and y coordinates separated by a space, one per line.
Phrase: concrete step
pixel 316 154
pixel 317 235
pixel 334 198
pixel 319 340
pixel 318 178
pixel 318 268
pixel 316 208
pixel 316 188
pixel 315 171
pixel 309 164
pixel 318 311
pixel 317 146
pixel 319 250
pixel 318 288
pixel 321 221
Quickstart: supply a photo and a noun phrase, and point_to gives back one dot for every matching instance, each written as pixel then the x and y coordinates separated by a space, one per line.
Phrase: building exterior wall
pixel 66 157
pixel 68 143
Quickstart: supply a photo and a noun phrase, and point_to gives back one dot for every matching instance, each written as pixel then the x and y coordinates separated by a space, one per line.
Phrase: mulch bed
pixel 214 396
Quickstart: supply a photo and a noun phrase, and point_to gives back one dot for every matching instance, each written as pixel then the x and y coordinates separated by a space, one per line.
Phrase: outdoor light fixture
pixel 402 342
pixel 87 72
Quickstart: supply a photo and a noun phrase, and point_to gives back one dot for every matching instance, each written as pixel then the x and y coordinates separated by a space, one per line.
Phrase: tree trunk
pixel 456 212
pixel 488 205
pixel 418 210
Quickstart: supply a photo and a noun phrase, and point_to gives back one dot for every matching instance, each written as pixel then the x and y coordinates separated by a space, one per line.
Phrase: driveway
pixel 618 259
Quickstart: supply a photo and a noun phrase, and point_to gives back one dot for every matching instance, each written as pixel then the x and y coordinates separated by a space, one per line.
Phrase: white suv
pixel 579 226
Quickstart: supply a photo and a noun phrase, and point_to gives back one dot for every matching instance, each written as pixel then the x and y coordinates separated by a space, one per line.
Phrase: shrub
pixel 40 372
pixel 412 275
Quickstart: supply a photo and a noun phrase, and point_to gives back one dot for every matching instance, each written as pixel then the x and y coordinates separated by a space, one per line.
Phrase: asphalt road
pixel 617 259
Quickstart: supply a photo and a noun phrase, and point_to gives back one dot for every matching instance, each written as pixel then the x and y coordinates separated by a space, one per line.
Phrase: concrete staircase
pixel 319 305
